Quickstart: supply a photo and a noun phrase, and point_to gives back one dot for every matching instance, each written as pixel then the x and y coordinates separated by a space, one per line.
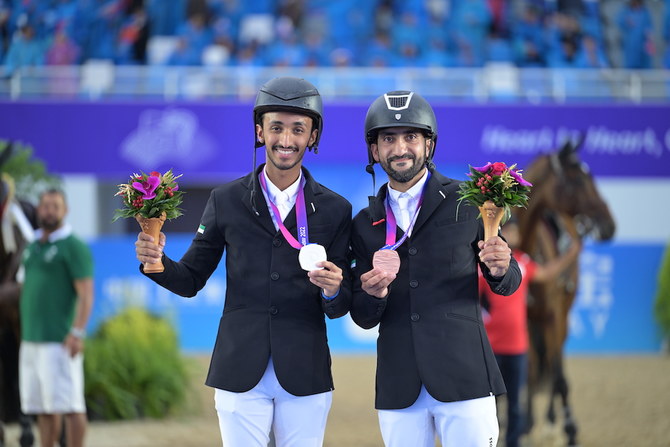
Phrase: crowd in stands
pixel 369 33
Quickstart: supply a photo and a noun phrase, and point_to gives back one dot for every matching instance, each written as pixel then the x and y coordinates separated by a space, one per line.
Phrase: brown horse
pixel 12 243
pixel 564 202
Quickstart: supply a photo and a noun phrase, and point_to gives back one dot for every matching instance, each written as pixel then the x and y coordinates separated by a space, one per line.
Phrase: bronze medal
pixel 386 260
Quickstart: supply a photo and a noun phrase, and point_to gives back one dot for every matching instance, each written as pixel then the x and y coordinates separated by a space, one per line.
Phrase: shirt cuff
pixel 330 297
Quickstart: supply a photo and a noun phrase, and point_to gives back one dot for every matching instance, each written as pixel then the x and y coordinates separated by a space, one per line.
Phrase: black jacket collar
pixel 251 183
pixel 435 193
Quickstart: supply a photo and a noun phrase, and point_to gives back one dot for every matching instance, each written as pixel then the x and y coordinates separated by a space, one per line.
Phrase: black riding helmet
pixel 288 94
pixel 400 109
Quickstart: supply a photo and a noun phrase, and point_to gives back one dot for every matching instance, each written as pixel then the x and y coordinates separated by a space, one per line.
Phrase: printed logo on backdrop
pixel 591 312
pixel 166 138
pixel 600 140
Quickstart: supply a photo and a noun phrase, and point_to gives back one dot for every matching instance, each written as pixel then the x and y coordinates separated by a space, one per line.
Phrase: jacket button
pixel 276 242
pixel 414 284
pixel 414 317
pixel 273 310
pixel 274 276
pixel 413 251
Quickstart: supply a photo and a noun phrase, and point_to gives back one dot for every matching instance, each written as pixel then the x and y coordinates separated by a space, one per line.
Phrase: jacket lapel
pixel 434 194
pixel 312 190
pixel 263 217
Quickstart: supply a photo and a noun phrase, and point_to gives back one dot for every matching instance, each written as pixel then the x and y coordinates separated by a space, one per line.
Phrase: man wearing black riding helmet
pixel 415 254
pixel 286 238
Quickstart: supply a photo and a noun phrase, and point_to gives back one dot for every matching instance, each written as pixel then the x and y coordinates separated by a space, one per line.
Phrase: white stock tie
pixel 403 201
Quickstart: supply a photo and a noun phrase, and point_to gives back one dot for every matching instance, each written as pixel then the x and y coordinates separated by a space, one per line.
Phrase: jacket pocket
pixel 463 317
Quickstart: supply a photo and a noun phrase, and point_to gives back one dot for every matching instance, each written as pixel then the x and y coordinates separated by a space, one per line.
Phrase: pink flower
pixel 520 180
pixel 484 168
pixel 148 187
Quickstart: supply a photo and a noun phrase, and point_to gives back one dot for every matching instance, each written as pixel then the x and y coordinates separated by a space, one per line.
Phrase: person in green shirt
pixel 56 302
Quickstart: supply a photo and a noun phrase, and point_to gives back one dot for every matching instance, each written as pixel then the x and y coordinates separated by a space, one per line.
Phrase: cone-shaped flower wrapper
pixel 152 226
pixel 492 216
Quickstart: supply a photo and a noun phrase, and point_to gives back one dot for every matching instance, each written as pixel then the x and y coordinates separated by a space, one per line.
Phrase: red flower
pixel 155 174
pixel 498 168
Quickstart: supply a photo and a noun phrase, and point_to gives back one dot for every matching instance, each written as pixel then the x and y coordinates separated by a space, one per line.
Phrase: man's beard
pixel 406 175
pixel 50 224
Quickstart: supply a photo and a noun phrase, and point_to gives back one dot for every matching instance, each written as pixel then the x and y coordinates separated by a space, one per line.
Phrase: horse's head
pixel 563 184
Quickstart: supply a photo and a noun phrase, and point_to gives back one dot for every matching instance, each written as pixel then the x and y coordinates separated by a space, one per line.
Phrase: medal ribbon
pixel 391 243
pixel 300 214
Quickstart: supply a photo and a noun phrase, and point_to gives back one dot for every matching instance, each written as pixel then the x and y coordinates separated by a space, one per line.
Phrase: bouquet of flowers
pixel 150 199
pixel 495 188
pixel 150 196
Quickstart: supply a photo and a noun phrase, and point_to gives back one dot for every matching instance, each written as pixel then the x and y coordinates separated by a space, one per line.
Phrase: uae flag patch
pixel 201 229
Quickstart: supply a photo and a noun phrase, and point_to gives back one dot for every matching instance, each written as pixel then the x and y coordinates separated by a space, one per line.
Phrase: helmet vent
pixel 398 102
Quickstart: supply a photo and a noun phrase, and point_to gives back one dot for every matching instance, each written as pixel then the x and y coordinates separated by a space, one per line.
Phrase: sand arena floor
pixel 617 401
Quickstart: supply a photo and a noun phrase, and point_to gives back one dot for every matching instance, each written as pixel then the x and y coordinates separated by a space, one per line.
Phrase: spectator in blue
pixel 437 54
pixel 184 54
pixel 635 25
pixel 407 54
pixel 287 51
pixel 341 57
pixel 471 26
pixel 498 48
pixel 165 16
pixel 248 55
pixel 317 50
pixel 590 54
pixel 528 54
pixel 64 13
pixel 33 13
pixel 566 56
pixel 591 23
pixel 197 31
pixel 561 27
pixel 528 28
pixel 379 52
pixel 407 33
pixel 97 27
pixel 194 36
pixel 438 29
pixel 25 50
pixel 225 24
pixel 351 23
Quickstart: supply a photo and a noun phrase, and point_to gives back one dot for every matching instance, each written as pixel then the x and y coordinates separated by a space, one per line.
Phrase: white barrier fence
pixel 493 83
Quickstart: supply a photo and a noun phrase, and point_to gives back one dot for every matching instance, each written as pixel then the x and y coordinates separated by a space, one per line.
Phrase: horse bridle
pixel 584 224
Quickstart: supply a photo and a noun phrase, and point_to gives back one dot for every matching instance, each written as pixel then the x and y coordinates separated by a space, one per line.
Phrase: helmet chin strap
pixel 253 187
pixel 372 199
pixel 370 169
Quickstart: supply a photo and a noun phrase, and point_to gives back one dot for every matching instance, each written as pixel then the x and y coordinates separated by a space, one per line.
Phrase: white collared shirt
pixel 404 204
pixel 64 231
pixel 284 200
